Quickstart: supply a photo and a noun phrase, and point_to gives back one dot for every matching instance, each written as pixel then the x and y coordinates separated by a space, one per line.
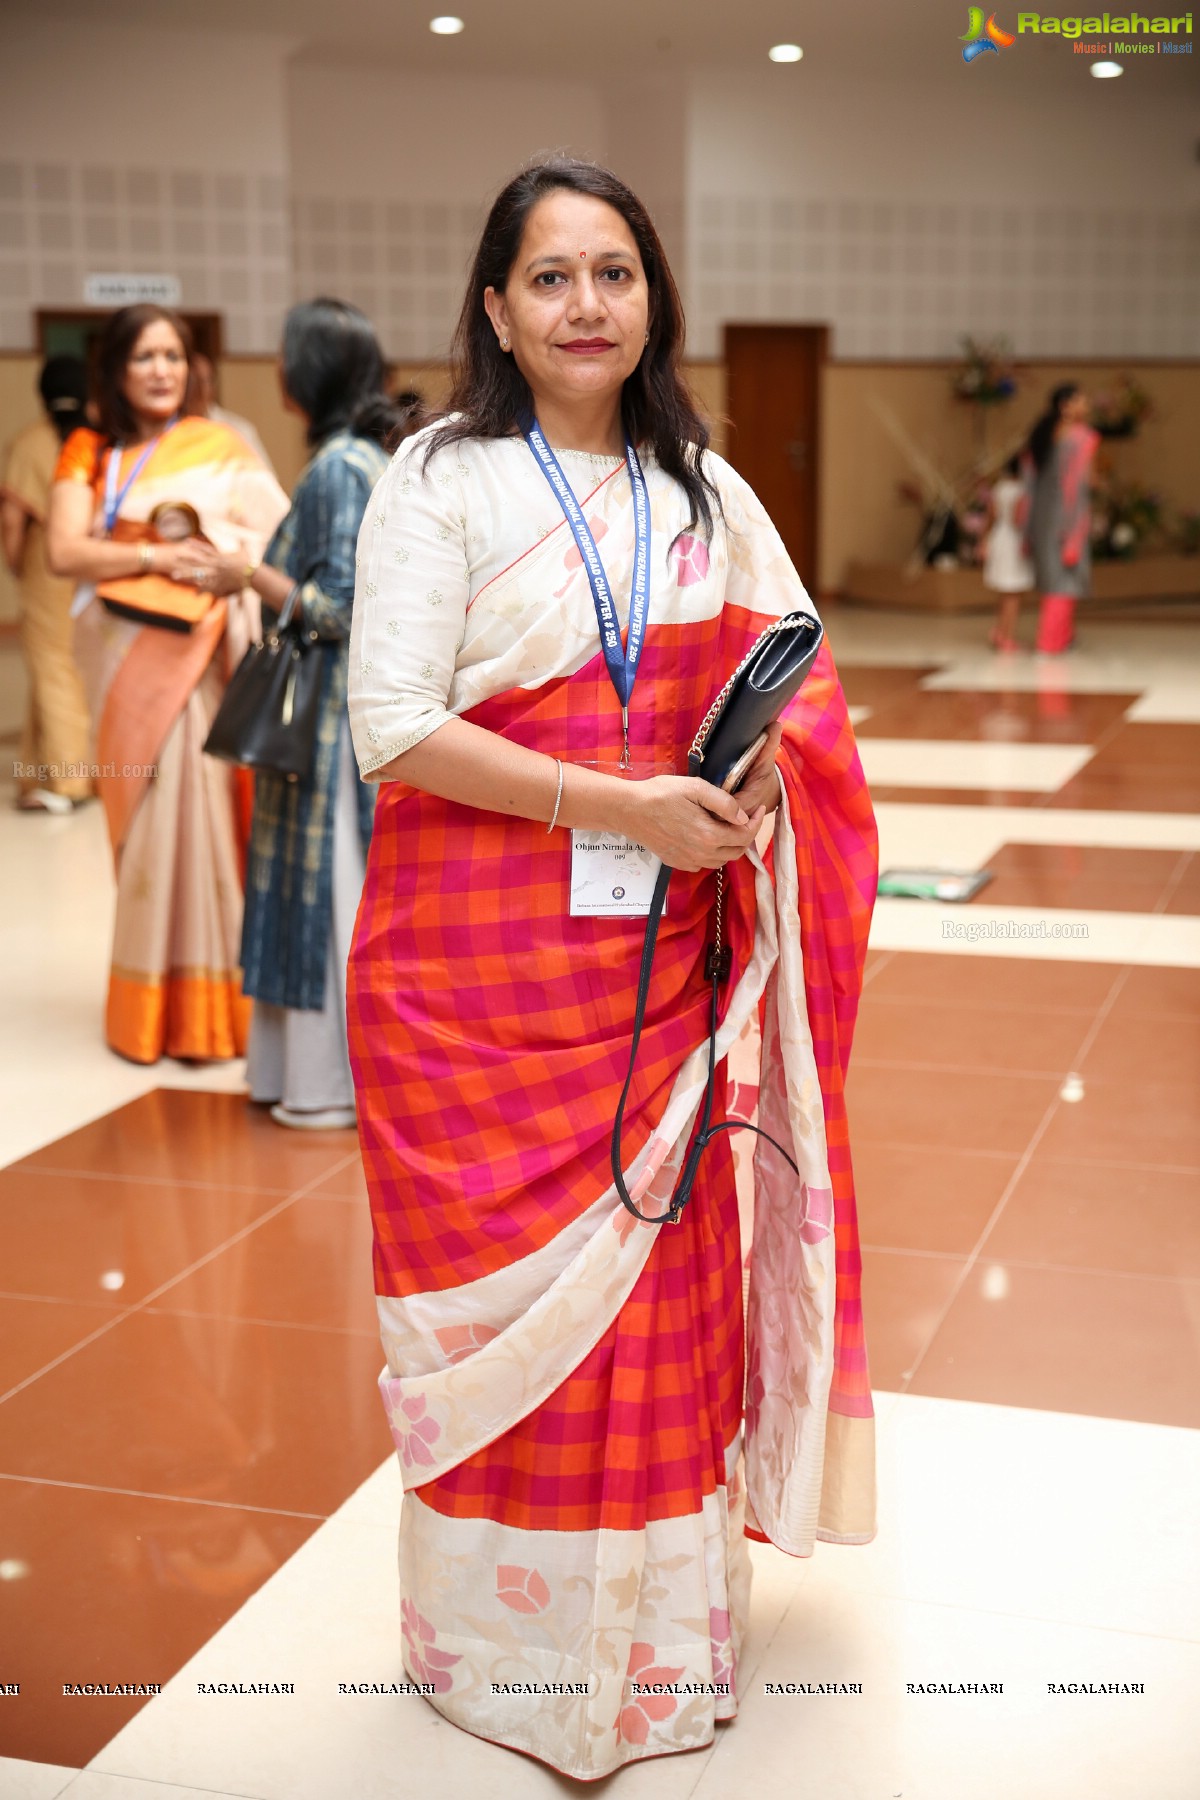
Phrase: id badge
pixel 611 877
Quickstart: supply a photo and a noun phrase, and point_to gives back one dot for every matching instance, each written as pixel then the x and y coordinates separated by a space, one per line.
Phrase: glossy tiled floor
pixel 193 1474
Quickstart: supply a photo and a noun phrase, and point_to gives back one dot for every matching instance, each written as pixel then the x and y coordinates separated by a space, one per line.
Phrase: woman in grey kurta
pixel 309 839
pixel 1062 447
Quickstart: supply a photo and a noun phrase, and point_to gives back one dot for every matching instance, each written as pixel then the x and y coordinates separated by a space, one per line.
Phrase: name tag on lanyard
pixel 610 876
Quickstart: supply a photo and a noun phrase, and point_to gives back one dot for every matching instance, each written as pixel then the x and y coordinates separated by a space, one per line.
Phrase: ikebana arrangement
pixel 1120 412
pixel 986 375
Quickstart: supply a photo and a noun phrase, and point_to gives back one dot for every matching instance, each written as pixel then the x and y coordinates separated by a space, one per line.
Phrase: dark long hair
pixel 120 335
pixel 63 385
pixel 489 393
pixel 334 370
pixel 1041 438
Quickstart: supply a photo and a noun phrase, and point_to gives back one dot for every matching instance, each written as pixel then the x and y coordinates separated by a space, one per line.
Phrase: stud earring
pixel 504 343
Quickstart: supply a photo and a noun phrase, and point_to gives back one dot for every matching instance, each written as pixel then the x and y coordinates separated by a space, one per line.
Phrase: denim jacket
pixel 289 878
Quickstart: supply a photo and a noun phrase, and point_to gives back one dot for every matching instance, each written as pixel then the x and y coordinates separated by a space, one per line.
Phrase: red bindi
pixel 583 253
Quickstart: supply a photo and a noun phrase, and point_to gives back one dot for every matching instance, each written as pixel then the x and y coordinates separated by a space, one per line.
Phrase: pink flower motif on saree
pixel 690 556
pixel 425 1661
pixel 521 1589
pixel 722 1647
pixel 413 1433
pixel 457 1342
pixel 644 1710
pixel 818 1214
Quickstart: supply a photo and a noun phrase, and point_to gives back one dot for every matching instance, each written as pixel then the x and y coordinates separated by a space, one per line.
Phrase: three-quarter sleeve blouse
pixel 436 535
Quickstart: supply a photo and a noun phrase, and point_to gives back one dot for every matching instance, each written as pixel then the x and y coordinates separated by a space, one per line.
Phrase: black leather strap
pixel 717 969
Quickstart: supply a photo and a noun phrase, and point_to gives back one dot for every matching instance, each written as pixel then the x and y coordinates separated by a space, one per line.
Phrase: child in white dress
pixel 1006 568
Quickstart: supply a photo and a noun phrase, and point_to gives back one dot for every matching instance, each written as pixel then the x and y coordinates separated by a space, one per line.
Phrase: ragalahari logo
pixel 980 36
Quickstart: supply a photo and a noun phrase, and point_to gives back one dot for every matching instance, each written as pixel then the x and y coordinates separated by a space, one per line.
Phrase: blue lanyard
pixel 114 497
pixel 622 664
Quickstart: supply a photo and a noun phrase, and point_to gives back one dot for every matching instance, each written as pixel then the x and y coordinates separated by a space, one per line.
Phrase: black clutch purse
pixel 730 737
pixel 267 718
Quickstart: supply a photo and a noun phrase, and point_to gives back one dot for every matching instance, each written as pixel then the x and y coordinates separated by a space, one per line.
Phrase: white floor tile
pixel 20 1780
pixel 941 763
pixel 921 835
pixel 92 1785
pixel 1032 931
pixel 1022 1743
pixel 1057 1516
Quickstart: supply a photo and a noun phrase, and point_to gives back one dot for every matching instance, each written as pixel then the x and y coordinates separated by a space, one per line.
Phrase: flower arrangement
pixel 1187 534
pixel 985 375
pixel 1119 413
pixel 1130 516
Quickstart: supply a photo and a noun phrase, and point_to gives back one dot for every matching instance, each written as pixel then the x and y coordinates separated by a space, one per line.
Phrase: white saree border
pixel 810 1473
pixel 587 1649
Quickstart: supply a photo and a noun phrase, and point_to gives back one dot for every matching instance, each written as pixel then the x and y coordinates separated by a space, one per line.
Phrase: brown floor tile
pixel 1091 878
pixel 946 1110
pixel 909 1200
pixel 1118 1346
pixel 995 981
pixel 60 1234
pixel 980 715
pixel 877 684
pixel 34 1332
pixel 1130 1221
pixel 903 1299
pixel 1184 895
pixel 1158 992
pixel 1155 1123
pixel 174 1134
pixel 946 796
pixel 1038 891
pixel 309 1265
pixel 954 1036
pixel 1086 862
pixel 349 1183
pixel 212 1409
pixel 1131 787
pixel 117 1589
pixel 1145 1049
pixel 1176 746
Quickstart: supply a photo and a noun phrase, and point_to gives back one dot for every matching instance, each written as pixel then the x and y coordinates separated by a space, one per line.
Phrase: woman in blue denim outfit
pixel 309 839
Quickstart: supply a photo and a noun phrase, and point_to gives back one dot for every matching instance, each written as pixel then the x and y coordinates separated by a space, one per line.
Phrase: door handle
pixel 797 455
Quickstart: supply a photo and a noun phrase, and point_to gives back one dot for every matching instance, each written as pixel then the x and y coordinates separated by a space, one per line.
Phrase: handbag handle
pixel 285 618
pixel 717 965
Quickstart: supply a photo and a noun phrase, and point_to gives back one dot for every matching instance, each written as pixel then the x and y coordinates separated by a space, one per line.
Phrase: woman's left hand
pixel 761 785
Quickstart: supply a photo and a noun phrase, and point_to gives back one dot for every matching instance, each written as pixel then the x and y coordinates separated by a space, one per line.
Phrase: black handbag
pixel 267 718
pixel 730 737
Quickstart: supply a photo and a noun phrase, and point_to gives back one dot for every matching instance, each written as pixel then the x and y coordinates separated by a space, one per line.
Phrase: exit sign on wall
pixel 132 290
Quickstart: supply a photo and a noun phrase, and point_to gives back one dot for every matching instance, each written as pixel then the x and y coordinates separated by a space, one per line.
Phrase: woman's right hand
pixel 687 822
pixel 194 560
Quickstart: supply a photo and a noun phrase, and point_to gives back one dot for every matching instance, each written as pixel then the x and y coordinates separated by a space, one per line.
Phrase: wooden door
pixel 773 401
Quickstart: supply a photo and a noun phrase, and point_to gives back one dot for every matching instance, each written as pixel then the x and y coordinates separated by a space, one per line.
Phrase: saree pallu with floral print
pixel 587 1429
pixel 173 813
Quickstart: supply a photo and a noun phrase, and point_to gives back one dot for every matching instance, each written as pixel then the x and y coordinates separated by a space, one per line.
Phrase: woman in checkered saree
pixel 587 1435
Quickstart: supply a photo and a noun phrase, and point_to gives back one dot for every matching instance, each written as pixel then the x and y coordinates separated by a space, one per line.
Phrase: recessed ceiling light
pixel 1105 71
pixel 785 53
pixel 445 25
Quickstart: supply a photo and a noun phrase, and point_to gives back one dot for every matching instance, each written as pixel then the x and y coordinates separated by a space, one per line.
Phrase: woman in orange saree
pixel 172 813
pixel 586 1430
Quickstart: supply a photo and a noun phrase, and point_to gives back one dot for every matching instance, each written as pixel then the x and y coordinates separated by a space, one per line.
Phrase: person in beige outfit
pixel 52 770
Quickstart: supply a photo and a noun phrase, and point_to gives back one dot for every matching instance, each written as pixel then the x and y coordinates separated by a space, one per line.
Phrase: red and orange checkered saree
pixel 586 1432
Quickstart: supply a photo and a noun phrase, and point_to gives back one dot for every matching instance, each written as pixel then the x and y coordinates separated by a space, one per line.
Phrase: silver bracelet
pixel 557 799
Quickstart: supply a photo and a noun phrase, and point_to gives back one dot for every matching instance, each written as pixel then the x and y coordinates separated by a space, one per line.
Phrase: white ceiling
pixel 880 38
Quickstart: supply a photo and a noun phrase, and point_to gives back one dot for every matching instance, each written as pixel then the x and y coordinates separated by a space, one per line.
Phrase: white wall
pixel 128 150
pixel 1019 196
pixel 908 215
pixel 392 175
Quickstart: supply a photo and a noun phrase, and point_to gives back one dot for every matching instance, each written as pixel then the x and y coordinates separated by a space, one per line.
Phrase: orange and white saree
pixel 586 1426
pixel 173 814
